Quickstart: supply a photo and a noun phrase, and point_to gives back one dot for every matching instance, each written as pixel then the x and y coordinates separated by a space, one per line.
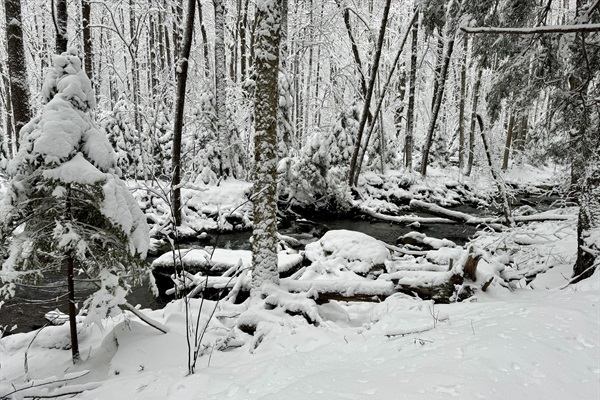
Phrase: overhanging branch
pixel 584 28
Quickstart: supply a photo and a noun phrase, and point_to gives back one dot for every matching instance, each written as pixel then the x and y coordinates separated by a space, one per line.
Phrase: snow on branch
pixel 584 28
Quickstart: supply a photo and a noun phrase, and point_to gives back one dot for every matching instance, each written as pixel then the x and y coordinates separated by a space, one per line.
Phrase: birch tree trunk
pixel 264 245
pixel 17 67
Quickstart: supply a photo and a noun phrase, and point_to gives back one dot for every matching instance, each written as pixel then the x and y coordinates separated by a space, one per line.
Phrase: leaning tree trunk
pixel 471 158
pixel 204 40
pixel 17 71
pixel 436 107
pixel 509 137
pixel 264 245
pixel 353 176
pixel 461 107
pixel 182 72
pixel 495 175
pixel 60 20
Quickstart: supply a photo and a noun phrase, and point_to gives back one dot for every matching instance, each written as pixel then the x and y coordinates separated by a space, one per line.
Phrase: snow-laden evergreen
pixel 66 199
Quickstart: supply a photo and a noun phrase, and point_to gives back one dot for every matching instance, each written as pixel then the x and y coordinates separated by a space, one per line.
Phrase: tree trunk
pixel 471 158
pixel 380 98
pixel 182 72
pixel 264 245
pixel 461 107
pixel 410 112
pixel 495 175
pixel 436 108
pixel 72 310
pixel 354 46
pixel 353 177
pixel 220 89
pixel 60 21
pixel 509 135
pixel 439 62
pixel 243 27
pixel 7 139
pixel 153 81
pixel 520 144
pixel 588 226
pixel 86 19
pixel 17 67
pixel 207 66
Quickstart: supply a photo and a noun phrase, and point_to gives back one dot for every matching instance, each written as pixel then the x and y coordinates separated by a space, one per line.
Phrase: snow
pixel 362 251
pixel 222 259
pixel 522 345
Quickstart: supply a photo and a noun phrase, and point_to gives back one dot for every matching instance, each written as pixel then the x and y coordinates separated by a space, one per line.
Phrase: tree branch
pixel 532 31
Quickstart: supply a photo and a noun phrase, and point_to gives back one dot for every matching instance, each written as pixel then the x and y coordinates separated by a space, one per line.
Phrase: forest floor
pixel 534 336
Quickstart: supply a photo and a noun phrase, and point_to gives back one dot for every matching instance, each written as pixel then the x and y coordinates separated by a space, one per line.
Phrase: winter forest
pixel 292 199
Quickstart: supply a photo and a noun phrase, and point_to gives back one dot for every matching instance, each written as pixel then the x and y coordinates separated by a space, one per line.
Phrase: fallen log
pixel 457 216
pixel 405 219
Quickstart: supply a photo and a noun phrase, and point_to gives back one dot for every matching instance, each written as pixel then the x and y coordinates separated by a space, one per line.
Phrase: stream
pixel 26 310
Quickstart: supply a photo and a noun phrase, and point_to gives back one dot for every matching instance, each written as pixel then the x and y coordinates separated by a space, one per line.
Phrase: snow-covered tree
pixel 264 246
pixel 66 207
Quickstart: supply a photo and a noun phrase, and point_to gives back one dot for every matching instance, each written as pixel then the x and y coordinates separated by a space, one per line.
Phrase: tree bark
pixel 72 310
pixel 60 21
pixel 17 67
pixel 86 18
pixel 182 72
pixel 509 136
pixel 264 245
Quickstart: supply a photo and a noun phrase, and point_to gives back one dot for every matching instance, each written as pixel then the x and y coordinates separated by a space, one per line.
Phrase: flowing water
pixel 27 309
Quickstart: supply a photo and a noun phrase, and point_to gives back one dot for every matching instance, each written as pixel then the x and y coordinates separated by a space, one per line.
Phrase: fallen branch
pixel 583 28
pixel 156 325
pixel 404 251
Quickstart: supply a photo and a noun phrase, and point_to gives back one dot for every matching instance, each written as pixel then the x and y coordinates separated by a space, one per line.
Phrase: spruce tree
pixel 66 208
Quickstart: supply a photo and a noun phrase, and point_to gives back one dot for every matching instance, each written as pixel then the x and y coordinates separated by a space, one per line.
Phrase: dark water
pixel 27 309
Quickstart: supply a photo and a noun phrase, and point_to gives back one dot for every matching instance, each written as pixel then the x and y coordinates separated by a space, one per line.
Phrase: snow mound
pixel 355 251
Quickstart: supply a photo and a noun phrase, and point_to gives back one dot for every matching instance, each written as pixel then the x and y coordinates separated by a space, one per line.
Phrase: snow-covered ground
pixel 538 341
